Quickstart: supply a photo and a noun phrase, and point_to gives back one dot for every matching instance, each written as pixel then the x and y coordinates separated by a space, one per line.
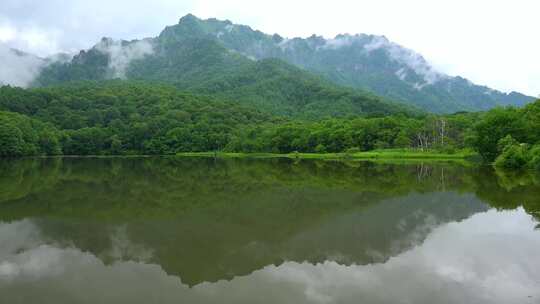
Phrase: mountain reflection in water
pixel 163 230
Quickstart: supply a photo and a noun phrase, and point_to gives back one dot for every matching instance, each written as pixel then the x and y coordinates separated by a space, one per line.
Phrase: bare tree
pixel 423 140
pixel 442 130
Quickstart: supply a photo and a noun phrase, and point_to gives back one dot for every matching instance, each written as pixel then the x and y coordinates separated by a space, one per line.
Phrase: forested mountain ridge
pixel 194 62
pixel 219 57
pixel 361 61
pixel 192 89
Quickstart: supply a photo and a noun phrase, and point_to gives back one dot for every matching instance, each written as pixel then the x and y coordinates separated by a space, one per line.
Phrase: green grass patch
pixel 371 155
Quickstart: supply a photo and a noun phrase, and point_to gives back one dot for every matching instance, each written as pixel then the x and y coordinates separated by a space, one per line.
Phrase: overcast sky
pixel 491 42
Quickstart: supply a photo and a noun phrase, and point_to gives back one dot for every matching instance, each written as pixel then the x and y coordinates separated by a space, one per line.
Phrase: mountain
pixel 183 55
pixel 312 78
pixel 363 61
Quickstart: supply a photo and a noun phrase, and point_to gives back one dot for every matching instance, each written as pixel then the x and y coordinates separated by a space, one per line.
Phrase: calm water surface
pixel 167 230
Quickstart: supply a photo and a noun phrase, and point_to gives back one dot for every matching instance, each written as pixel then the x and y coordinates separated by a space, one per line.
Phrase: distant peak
pixel 107 40
pixel 188 18
pixel 277 38
pixel 340 36
pixel 315 38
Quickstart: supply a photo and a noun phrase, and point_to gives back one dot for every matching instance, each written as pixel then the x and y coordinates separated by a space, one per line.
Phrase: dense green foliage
pixel 503 131
pixel 356 134
pixel 514 155
pixel 21 136
pixel 285 90
pixel 119 117
pixel 134 118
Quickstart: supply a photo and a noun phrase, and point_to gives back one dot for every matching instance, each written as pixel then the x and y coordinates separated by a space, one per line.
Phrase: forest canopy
pixel 121 118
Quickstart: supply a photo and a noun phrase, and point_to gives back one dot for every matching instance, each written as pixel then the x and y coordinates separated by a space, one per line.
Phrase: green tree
pixel 11 140
pixel 495 125
pixel 512 154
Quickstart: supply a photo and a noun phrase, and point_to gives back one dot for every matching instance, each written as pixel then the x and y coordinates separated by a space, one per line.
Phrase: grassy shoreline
pixel 377 155
pixel 372 155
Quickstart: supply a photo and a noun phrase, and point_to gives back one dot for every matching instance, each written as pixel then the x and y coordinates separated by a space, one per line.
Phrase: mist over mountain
pixel 18 68
pixel 186 57
pixel 315 74
pixel 362 61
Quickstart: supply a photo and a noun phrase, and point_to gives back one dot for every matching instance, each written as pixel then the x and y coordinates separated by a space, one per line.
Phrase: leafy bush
pixel 21 136
pixel 534 157
pixel 514 156
pixel 506 142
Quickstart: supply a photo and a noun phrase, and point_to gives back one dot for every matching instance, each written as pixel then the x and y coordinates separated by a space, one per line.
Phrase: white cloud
pixel 401 74
pixel 406 57
pixel 7 34
pixel 18 69
pixel 121 55
pixel 339 42
pixel 29 38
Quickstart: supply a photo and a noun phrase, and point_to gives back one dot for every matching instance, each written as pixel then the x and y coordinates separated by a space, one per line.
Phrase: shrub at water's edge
pixel 509 137
pixel 515 155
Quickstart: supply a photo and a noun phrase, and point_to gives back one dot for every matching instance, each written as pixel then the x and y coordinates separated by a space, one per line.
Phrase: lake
pixel 195 230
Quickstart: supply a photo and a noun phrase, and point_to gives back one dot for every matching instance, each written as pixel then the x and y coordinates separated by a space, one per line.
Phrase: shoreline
pixel 382 155
pixel 373 155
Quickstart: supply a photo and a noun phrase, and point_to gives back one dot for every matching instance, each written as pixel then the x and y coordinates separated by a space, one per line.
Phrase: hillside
pixel 361 61
pixel 116 117
pixel 309 78
pixel 235 61
pixel 187 58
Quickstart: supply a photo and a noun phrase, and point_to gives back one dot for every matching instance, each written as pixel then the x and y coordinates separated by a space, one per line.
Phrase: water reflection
pixel 201 231
pixel 455 264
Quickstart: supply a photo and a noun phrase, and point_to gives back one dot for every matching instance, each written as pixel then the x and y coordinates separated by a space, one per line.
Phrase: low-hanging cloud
pixel 18 69
pixel 121 54
pixel 406 57
pixel 341 41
